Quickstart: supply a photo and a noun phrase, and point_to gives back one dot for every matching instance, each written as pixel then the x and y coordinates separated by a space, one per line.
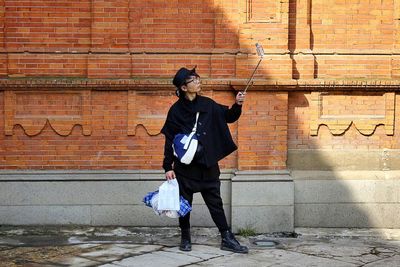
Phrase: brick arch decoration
pixel 364 114
pixel 61 110
pixel 150 114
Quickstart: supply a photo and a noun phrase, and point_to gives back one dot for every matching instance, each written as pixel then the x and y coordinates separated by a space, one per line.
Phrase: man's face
pixel 192 85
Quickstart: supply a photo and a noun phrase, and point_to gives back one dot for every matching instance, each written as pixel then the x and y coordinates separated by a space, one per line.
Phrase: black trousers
pixel 210 191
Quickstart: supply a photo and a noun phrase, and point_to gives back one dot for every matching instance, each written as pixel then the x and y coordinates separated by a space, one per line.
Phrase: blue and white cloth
pixel 150 200
pixel 147 198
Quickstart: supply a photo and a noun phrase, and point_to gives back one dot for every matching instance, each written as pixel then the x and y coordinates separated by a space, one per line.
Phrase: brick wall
pixel 86 84
pixel 262 132
pixel 43 136
pixel 37 26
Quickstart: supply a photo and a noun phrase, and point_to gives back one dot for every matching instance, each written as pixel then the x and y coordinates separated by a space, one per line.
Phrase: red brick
pixel 121 39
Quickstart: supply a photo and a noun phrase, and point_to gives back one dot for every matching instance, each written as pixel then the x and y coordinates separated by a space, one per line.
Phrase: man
pixel 215 143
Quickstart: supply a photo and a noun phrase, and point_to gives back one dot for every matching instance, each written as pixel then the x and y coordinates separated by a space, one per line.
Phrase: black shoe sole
pixel 185 249
pixel 236 251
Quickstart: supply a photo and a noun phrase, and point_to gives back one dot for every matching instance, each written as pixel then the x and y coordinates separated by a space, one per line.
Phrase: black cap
pixel 182 75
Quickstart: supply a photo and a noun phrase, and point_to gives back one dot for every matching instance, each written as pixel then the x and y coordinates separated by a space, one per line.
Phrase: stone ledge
pixel 344 175
pixel 90 175
pixel 46 83
pixel 262 176
pixel 245 50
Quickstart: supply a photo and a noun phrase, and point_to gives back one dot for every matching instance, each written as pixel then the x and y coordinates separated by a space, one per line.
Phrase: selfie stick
pixel 260 53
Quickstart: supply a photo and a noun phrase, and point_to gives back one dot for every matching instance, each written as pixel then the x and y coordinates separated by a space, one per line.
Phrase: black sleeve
pixel 233 114
pixel 168 155
pixel 169 132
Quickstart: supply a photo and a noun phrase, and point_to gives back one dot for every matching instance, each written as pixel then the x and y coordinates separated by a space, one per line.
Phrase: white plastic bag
pixel 169 213
pixel 168 196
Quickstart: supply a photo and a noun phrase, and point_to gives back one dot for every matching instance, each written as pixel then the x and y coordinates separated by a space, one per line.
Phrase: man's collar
pixel 199 101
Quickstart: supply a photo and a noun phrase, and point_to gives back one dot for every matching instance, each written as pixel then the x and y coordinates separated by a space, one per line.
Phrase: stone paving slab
pixel 127 246
pixel 388 262
pixel 158 258
pixel 201 251
pixel 99 254
pixel 346 250
pixel 173 257
pixel 273 258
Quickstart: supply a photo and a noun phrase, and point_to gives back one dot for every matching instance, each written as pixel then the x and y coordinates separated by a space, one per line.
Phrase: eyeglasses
pixel 194 80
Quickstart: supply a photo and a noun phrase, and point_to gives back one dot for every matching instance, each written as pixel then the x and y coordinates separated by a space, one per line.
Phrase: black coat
pixel 212 129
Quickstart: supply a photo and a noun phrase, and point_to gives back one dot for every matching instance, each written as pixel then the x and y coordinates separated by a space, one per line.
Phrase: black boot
pixel 186 243
pixel 230 243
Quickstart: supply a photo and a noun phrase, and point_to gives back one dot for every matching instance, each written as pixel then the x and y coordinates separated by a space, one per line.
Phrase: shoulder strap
pixel 195 124
pixel 188 140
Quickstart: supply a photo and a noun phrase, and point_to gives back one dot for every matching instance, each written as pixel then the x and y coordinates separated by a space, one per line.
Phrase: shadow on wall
pixel 342 180
pixel 292 37
pixel 346 179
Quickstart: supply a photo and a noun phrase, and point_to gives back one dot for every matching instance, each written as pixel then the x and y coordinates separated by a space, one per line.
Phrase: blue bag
pixel 185 145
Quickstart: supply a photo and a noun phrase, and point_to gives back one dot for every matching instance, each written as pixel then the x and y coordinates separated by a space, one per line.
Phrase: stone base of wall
pixel 360 199
pixel 91 198
pixel 264 201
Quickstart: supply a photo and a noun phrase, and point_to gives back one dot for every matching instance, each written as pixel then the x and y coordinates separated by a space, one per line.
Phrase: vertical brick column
pixel 2 19
pixel 396 43
pixel 299 22
pixel 300 39
pixel 397 24
pixel 3 57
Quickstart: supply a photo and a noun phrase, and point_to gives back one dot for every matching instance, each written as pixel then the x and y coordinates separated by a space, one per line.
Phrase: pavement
pixel 43 246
